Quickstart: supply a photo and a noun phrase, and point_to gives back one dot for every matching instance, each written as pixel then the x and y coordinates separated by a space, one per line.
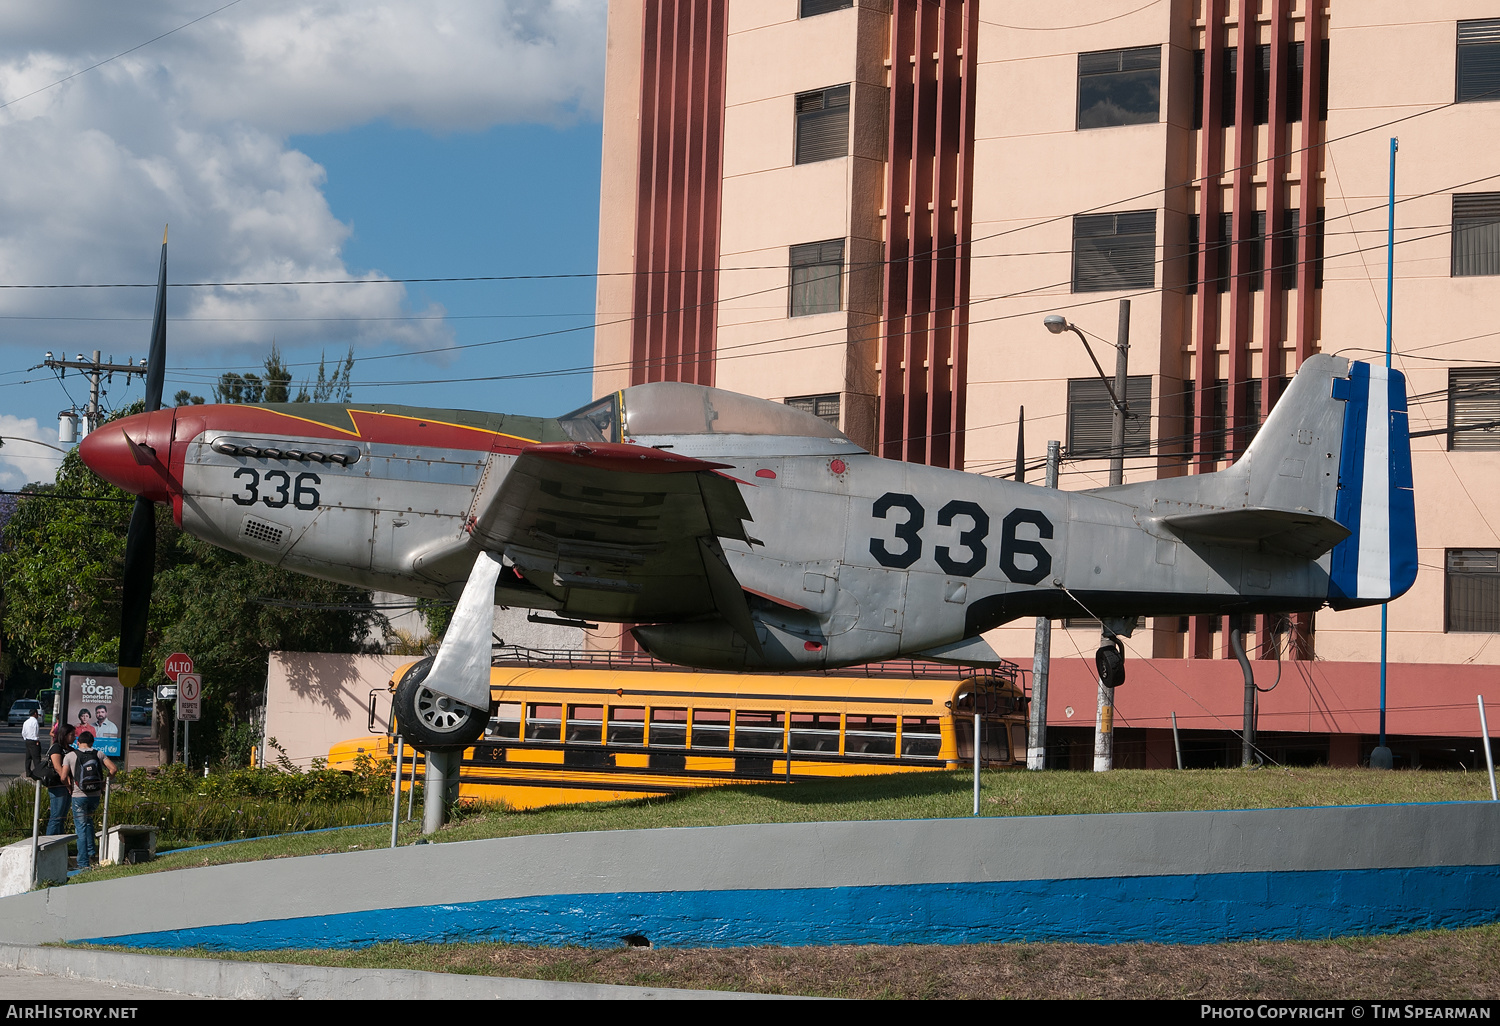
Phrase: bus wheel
pixel 428 720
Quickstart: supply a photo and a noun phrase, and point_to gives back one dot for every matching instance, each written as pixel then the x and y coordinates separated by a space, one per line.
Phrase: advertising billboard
pixel 97 702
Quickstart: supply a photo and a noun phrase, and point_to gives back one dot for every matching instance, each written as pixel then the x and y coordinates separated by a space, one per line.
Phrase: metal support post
pixel 1489 758
pixel 1104 719
pixel 411 786
pixel 1176 741
pixel 976 757
pixel 442 773
pixel 1381 757
pixel 103 823
pixel 1247 734
pixel 36 826
pixel 1041 662
pixel 396 792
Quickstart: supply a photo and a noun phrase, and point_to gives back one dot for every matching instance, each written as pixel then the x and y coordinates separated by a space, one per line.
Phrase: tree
pixel 275 385
pixel 61 567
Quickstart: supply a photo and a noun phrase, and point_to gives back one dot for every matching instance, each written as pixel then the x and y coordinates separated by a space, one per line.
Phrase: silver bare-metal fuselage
pixel 854 557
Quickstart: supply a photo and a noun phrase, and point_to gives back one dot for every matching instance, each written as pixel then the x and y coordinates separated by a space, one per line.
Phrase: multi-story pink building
pixel 867 207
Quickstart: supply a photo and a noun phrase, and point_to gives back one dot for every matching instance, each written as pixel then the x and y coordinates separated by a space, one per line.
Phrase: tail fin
pixel 1336 446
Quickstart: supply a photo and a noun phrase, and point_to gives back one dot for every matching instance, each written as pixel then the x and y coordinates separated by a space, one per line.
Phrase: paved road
pixel 13 750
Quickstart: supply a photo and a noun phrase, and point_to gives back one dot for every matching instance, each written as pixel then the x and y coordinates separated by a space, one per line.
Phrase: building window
pixel 1194 241
pixel 1473 409
pixel 824 407
pixel 1478 61
pixel 1091 417
pixel 1476 233
pixel 817 278
pixel 1260 94
pixel 822 124
pixel 1471 591
pixel 1114 251
pixel 813 8
pixel 1215 439
pixel 1119 87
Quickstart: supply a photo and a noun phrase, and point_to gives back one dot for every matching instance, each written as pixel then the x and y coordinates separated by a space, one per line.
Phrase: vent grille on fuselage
pixel 258 531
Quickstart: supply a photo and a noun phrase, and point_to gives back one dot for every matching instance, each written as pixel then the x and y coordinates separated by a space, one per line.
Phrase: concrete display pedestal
pixel 127 838
pixel 52 864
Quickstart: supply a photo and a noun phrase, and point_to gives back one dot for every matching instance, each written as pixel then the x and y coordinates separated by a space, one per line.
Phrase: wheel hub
pixel 439 712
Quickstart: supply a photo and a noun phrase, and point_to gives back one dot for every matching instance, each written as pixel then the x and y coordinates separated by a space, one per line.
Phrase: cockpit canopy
pixel 677 408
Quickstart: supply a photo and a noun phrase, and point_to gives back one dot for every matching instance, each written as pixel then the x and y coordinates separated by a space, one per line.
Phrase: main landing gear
pixel 1109 660
pixel 430 721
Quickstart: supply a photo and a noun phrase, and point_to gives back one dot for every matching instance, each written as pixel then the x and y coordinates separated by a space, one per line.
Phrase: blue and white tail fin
pixel 1378 561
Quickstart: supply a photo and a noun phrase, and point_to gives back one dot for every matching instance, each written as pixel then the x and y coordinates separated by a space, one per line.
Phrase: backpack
pixel 90 772
pixel 48 775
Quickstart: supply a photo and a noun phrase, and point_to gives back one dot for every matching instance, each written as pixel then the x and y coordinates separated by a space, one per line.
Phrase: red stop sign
pixel 178 663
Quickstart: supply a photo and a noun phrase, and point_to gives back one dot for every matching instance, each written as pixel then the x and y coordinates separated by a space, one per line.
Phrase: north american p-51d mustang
pixel 744 534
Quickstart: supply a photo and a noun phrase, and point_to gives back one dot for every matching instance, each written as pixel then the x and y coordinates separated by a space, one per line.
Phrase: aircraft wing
pixel 623 532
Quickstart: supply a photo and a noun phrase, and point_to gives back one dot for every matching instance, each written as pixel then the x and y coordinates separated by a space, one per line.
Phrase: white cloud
pixel 23 461
pixel 193 129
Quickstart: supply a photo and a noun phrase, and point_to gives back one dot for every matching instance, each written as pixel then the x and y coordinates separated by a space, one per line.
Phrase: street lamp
pixel 1057 324
pixel 1110 659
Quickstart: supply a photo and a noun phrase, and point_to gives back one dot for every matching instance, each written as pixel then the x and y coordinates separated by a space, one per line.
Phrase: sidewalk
pixel 158 975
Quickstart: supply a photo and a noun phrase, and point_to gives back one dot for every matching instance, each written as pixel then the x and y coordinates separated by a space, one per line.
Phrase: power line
pixel 117 56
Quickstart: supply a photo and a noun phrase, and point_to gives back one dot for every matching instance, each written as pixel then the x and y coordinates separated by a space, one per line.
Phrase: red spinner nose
pixel 134 454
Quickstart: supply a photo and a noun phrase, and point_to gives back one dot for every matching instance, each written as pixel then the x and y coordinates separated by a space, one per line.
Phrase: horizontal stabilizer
pixel 968 652
pixel 1294 533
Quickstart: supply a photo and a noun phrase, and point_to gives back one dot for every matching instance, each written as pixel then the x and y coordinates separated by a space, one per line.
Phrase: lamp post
pixel 1104 719
pixel 1057 324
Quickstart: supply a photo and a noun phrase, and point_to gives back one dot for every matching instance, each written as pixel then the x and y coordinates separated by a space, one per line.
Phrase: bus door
pixel 994 725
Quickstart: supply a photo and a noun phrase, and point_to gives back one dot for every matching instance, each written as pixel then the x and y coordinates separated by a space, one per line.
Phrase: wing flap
pixel 1290 532
pixel 620 532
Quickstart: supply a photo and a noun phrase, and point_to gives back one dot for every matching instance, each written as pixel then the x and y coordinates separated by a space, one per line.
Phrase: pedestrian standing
pixel 31 734
pixel 52 777
pixel 84 772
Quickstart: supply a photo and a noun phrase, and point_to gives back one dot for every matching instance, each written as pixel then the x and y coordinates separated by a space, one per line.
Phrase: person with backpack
pixel 51 777
pixel 85 771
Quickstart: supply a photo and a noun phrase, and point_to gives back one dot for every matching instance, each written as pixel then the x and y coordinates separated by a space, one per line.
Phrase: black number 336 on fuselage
pixel 971 541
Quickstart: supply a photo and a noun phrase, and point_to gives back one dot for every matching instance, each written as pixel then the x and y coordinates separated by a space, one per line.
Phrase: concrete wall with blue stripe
pixel 1189 877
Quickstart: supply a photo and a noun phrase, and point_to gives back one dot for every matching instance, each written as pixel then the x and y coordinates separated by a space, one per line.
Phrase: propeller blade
pixel 156 359
pixel 140 541
pixel 140 567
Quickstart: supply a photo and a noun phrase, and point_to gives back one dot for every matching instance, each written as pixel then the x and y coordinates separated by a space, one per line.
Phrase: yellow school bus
pixel 570 727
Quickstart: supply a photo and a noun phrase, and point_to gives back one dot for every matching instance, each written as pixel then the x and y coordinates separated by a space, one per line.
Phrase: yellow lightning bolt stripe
pixel 351 411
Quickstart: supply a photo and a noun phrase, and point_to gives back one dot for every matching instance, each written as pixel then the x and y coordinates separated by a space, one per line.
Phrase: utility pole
pixel 1104 720
pixel 98 372
pixel 1041 662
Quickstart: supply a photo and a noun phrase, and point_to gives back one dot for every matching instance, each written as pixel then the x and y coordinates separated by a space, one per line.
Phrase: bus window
pixel 870 735
pixel 815 732
pixel 543 722
pixel 761 731
pixel 506 723
pixel 586 723
pixel 710 728
pixel 921 737
pixel 668 728
pixel 996 742
pixel 1018 740
pixel 627 726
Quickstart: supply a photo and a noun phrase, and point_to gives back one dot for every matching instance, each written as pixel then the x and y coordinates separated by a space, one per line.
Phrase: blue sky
pixel 513 200
pixel 362 142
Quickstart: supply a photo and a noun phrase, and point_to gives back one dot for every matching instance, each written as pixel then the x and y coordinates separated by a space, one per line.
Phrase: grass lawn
pixel 1451 965
pixel 896 796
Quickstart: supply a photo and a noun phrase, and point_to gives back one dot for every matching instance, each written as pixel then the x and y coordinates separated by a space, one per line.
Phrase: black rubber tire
pixel 429 721
pixel 1110 661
